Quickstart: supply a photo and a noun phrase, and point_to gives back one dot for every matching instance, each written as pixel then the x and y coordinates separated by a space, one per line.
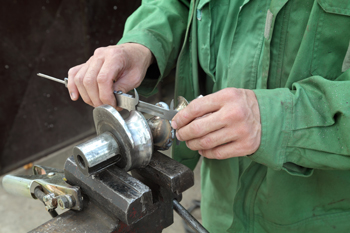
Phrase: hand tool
pixel 129 103
pixel 64 81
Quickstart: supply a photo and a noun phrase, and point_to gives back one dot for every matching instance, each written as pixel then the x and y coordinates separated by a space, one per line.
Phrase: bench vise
pixel 115 182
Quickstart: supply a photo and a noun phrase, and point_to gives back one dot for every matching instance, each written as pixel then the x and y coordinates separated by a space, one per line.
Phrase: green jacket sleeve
pixel 307 127
pixel 160 26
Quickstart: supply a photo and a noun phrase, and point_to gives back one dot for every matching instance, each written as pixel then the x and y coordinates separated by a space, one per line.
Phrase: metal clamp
pixel 52 182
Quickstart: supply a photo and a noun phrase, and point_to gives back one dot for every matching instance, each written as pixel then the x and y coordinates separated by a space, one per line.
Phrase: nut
pixel 50 201
pixel 65 202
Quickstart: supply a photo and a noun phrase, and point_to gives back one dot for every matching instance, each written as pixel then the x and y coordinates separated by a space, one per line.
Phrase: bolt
pixel 50 201
pixel 51 174
pixel 65 202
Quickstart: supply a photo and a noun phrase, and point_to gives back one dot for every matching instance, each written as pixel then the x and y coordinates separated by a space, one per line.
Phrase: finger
pixel 196 108
pixel 200 127
pixel 72 88
pixel 212 140
pixel 90 81
pixel 229 150
pixel 108 74
pixel 78 80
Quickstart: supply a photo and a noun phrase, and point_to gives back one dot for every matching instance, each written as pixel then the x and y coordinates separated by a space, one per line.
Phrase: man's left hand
pixel 221 125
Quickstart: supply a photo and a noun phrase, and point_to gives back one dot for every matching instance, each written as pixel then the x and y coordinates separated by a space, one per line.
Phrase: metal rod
pixel 65 81
pixel 40 195
pixel 185 215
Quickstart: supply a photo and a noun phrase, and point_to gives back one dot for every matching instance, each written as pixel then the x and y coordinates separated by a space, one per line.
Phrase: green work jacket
pixel 295 56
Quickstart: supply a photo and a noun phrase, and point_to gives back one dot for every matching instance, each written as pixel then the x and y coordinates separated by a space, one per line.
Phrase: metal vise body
pixel 115 201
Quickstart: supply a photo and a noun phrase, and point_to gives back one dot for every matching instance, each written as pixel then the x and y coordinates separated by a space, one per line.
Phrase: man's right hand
pixel 119 67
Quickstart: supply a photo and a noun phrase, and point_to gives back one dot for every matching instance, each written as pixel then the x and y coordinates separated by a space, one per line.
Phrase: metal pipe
pixel 97 153
pixel 185 215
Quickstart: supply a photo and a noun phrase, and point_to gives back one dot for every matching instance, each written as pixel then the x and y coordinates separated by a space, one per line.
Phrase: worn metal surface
pixel 114 195
pixel 166 173
pixel 113 190
pixel 91 219
pixel 37 116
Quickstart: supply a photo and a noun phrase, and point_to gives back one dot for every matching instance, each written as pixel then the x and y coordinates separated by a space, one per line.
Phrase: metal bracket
pixel 51 181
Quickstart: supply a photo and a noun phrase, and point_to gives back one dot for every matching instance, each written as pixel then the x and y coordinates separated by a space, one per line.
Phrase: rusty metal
pixel 189 219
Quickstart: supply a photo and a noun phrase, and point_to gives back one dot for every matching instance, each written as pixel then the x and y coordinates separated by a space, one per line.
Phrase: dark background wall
pixel 37 116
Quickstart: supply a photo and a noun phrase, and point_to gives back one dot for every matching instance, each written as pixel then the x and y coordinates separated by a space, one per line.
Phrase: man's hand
pixel 120 67
pixel 221 125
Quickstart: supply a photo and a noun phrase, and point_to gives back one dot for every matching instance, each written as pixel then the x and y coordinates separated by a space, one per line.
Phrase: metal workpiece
pixel 181 103
pixel 113 190
pixel 162 132
pixel 132 134
pixel 97 153
pixel 53 186
pixel 126 142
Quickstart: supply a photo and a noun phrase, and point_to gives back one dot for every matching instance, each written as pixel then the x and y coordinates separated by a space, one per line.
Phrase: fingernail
pixel 72 95
pixel 178 137
pixel 200 152
pixel 174 125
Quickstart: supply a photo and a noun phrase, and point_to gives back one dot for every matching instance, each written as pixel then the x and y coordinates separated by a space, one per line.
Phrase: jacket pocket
pixel 331 38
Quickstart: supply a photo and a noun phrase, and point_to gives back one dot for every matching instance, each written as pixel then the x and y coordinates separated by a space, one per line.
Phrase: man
pixel 276 153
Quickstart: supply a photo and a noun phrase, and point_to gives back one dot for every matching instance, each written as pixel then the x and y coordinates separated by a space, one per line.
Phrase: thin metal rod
pixel 40 195
pixel 185 215
pixel 64 81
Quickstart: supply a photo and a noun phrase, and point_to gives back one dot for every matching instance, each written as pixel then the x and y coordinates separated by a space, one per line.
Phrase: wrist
pixel 146 52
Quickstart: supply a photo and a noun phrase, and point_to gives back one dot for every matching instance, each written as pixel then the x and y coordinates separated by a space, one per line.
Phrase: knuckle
pixel 105 98
pixel 88 81
pixel 79 79
pixel 195 109
pixel 116 51
pixel 243 131
pixel 195 128
pixel 102 78
pixel 239 114
pixel 98 52
pixel 206 143
pixel 71 71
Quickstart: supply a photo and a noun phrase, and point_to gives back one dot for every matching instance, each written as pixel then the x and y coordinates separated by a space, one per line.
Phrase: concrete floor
pixel 19 214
